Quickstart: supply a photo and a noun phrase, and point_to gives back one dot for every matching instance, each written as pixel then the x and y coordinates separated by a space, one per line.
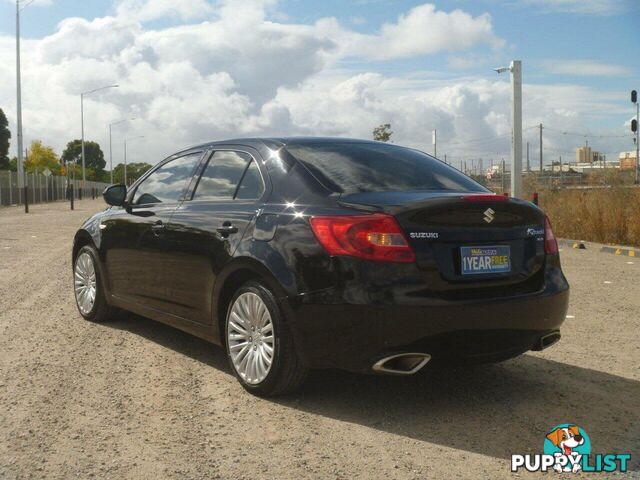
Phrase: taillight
pixel 550 242
pixel 371 237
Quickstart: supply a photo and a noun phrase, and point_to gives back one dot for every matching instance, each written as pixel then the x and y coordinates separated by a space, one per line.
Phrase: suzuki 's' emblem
pixel 489 215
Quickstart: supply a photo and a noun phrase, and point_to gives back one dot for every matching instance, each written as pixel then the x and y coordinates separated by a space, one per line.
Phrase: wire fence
pixel 42 188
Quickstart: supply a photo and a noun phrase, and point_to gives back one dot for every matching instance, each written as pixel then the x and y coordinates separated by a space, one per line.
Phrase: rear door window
pixel 373 167
pixel 230 175
pixel 251 186
pixel 168 182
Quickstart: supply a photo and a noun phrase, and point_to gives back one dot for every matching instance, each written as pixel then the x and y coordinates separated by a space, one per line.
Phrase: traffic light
pixel 634 125
pixel 634 96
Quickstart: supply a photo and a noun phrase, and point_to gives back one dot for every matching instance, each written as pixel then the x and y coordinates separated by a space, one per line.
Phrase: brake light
pixel 370 237
pixel 485 197
pixel 550 242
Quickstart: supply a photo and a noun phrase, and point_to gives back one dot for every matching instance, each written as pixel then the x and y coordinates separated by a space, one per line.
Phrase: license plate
pixel 479 260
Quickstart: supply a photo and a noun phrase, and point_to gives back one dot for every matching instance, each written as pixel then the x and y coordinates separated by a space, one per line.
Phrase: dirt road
pixel 135 399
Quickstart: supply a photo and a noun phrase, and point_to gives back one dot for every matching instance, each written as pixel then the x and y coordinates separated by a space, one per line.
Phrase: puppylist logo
pixel 567 448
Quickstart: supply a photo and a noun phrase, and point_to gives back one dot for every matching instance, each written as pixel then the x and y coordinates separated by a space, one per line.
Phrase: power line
pixel 484 139
pixel 587 135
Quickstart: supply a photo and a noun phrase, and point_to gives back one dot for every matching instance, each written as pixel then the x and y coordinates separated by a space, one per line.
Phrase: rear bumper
pixel 353 336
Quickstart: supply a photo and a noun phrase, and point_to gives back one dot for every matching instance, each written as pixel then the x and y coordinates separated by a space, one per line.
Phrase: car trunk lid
pixel 444 227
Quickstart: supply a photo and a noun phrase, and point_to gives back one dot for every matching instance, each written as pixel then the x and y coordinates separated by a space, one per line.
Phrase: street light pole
pixel 125 161
pixel 82 95
pixel 516 144
pixel 516 119
pixel 21 177
pixel 110 154
pixel 435 143
pixel 125 155
pixel 111 144
pixel 82 141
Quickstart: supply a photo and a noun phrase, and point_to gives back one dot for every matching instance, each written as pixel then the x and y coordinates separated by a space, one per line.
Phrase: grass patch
pixel 607 215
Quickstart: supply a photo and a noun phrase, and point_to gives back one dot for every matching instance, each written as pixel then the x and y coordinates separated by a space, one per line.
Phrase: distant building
pixel 628 160
pixel 587 155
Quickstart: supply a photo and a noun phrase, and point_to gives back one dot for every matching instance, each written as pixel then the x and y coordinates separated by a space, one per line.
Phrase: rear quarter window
pixel 370 167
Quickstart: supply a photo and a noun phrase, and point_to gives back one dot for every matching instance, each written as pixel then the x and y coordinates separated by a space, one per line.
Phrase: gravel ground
pixel 136 399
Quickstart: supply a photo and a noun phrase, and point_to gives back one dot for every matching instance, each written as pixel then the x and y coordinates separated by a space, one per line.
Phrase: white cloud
pixel 239 72
pixel 145 10
pixel 422 31
pixel 586 68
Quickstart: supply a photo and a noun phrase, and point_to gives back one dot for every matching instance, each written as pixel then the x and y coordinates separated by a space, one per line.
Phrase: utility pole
pixel 435 143
pixel 636 128
pixel 528 164
pixel 541 159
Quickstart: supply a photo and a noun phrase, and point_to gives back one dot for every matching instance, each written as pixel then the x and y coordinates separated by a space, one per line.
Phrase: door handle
pixel 227 229
pixel 158 227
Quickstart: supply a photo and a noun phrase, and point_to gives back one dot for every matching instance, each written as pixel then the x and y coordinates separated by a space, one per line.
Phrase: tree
pixel 93 157
pixel 382 133
pixel 5 136
pixel 134 171
pixel 41 157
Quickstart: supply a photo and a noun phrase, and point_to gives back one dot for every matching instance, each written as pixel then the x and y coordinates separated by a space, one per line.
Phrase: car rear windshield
pixel 370 167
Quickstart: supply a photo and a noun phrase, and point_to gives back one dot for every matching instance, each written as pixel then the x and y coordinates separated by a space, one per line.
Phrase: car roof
pixel 257 142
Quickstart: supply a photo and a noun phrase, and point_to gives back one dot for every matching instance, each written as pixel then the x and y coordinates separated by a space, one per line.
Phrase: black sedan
pixel 299 253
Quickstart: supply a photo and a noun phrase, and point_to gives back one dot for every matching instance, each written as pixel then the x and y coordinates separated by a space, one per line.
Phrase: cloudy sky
pixel 199 70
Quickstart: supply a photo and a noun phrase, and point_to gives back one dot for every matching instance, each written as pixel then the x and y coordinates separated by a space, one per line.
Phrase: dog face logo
pixel 569 441
pixel 566 439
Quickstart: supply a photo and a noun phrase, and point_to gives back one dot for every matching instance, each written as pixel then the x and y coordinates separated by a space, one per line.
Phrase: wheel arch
pixel 237 273
pixel 81 238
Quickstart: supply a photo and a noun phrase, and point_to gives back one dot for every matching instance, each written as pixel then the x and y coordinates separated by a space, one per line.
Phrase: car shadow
pixel 514 403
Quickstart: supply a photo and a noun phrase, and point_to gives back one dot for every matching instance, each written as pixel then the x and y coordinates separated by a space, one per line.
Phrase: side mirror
pixel 115 195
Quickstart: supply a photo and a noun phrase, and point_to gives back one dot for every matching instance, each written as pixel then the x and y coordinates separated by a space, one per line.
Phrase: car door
pixel 206 228
pixel 134 239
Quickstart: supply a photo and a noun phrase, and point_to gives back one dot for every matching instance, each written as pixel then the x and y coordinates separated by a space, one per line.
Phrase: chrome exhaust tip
pixel 401 363
pixel 547 341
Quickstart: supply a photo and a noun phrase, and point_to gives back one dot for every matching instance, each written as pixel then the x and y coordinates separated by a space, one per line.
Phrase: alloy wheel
pixel 250 337
pixel 84 275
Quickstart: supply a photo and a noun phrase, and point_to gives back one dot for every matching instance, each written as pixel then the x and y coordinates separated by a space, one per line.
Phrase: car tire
pixel 88 287
pixel 259 343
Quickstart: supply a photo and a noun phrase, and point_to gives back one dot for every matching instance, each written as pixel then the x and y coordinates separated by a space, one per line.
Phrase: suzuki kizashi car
pixel 301 253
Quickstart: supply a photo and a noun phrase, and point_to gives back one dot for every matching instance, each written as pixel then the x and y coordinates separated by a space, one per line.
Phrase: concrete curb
pixel 625 252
